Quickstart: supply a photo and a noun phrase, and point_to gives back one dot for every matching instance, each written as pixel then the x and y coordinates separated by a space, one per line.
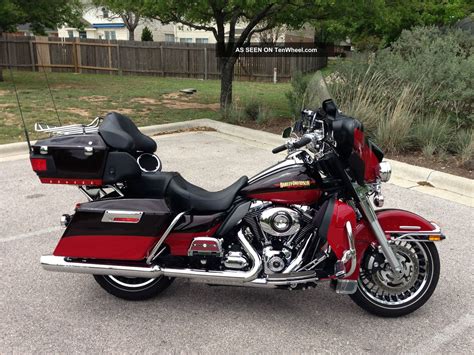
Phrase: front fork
pixel 387 251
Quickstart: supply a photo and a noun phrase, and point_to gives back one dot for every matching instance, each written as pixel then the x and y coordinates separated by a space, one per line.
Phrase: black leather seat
pixel 181 195
pixel 119 132
pixel 184 196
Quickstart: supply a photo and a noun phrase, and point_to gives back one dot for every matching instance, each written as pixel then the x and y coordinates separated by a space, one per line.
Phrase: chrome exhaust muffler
pixel 59 263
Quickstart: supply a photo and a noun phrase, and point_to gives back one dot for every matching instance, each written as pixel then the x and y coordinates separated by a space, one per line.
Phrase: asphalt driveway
pixel 45 312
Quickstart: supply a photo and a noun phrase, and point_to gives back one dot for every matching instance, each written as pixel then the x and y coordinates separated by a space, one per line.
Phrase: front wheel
pixel 133 288
pixel 381 292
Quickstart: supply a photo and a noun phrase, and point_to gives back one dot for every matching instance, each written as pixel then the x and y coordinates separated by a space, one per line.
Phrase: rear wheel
pixel 133 288
pixel 386 294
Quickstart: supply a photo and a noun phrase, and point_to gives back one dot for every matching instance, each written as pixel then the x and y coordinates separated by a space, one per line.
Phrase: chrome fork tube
pixel 379 233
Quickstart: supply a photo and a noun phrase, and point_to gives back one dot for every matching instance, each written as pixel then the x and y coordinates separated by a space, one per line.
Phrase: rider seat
pixel 182 195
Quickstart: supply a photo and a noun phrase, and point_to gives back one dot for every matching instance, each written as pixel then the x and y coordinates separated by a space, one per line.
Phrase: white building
pixel 99 23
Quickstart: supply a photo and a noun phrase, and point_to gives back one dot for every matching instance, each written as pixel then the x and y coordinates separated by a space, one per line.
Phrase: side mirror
pixel 330 107
pixel 286 132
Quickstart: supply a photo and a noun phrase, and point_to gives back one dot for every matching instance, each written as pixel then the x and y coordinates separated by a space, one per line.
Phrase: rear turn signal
pixel 38 164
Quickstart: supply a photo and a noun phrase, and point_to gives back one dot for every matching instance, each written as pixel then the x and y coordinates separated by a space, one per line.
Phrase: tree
pixel 377 23
pixel 147 36
pixel 270 37
pixel 222 16
pixel 130 11
pixel 40 14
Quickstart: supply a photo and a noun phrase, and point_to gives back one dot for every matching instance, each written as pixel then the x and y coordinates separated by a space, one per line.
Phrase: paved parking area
pixel 45 312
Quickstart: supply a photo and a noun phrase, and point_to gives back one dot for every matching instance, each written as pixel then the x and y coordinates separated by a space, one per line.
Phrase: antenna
pixel 49 87
pixel 17 97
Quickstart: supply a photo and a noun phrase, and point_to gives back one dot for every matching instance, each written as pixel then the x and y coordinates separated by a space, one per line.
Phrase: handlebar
pixel 279 149
pixel 298 144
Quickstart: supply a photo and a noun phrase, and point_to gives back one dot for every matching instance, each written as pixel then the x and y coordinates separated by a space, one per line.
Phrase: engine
pixel 277 229
pixel 280 222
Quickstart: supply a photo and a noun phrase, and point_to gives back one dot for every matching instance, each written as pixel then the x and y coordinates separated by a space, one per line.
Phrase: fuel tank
pixel 287 182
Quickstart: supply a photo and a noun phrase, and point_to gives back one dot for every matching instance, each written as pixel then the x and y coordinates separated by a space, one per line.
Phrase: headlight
pixel 385 171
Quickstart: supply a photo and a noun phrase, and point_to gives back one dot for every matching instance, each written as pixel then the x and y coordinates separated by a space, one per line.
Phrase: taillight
pixel 38 164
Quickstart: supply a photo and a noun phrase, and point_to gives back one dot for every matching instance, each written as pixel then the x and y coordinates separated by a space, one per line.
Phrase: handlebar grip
pixel 279 149
pixel 302 142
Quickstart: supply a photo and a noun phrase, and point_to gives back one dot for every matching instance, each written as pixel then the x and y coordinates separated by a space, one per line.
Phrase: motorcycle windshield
pixel 316 92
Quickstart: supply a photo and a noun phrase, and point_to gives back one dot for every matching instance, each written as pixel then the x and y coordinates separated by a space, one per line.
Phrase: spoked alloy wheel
pixel 133 288
pixel 388 294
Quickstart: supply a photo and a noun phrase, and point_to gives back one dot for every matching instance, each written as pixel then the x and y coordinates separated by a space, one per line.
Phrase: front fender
pixel 393 222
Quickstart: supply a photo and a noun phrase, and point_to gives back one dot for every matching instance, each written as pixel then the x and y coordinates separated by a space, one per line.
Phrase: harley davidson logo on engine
pixel 290 184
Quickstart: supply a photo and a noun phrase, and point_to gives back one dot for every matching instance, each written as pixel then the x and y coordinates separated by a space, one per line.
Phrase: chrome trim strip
pixel 163 237
pixel 410 227
pixel 274 168
pixel 436 230
pixel 110 216
pixel 415 240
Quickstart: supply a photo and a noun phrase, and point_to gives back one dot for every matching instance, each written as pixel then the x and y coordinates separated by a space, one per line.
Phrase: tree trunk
pixel 6 60
pixel 131 35
pixel 227 76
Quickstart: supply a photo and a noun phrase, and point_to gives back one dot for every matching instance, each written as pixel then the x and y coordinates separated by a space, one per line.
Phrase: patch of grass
pixel 432 135
pixel 234 114
pixel 81 97
pixel 464 147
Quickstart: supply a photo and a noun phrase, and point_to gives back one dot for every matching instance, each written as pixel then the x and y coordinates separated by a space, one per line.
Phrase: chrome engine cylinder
pixel 280 221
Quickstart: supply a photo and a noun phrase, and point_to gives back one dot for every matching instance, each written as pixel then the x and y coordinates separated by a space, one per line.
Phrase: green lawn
pixel 147 100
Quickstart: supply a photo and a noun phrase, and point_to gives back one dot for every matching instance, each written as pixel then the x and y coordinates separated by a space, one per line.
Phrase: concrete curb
pixel 409 174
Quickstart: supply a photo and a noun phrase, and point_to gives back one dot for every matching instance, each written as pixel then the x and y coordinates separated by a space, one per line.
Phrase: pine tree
pixel 147 35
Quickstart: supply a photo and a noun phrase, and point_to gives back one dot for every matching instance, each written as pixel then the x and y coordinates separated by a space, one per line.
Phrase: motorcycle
pixel 306 220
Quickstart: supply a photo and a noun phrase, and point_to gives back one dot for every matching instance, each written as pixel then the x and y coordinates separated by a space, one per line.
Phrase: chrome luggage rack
pixel 92 127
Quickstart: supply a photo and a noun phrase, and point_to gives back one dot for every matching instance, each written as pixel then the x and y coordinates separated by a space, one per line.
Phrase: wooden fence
pixel 143 58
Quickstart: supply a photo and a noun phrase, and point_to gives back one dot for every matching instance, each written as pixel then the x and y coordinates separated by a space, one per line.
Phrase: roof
pixel 108 25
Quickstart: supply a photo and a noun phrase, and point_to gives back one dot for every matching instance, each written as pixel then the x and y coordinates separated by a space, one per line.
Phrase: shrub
pixel 464 147
pixel 432 135
pixel 394 127
pixel 441 62
pixel 257 112
pixel 252 110
pixel 147 36
pixel 234 114
pixel 296 96
pixel 363 95
pixel 417 94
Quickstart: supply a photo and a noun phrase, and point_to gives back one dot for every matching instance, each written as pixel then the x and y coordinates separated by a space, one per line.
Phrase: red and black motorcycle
pixel 302 221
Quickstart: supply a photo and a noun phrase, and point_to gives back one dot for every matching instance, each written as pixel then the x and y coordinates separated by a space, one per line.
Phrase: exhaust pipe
pixel 58 263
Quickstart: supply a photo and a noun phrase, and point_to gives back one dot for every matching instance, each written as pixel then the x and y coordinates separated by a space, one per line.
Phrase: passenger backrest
pixel 119 132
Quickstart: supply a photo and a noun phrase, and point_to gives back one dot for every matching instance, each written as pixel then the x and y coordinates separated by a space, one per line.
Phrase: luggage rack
pixel 92 127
